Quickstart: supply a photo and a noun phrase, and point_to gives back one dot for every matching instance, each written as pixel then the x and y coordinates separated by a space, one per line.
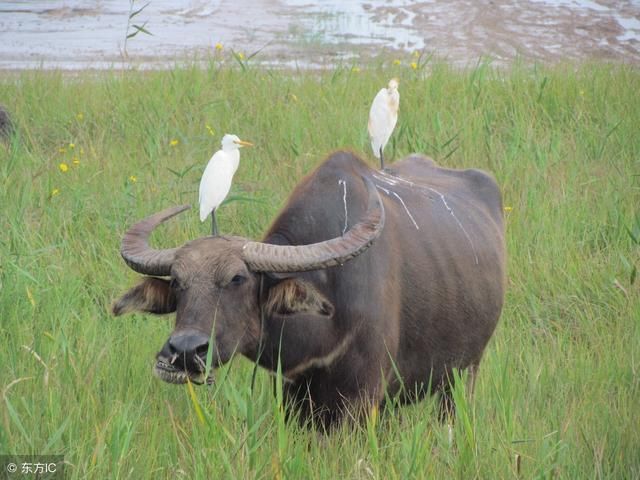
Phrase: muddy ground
pixel 74 34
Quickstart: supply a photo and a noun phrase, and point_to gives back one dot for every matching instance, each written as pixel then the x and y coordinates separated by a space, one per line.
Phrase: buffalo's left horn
pixel 265 257
pixel 135 247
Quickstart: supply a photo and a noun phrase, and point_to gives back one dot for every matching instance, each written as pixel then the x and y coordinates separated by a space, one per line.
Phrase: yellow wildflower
pixel 218 46
pixel 210 130
pixel 72 146
pixel 293 97
pixel 355 69
pixel 397 62
pixel 133 178
pixel 414 65
pixel 508 209
pixel 63 167
pixel 80 116
pixel 55 191
pixel 241 55
pixel 62 150
pixel 416 54
pixel 174 142
pixel 75 161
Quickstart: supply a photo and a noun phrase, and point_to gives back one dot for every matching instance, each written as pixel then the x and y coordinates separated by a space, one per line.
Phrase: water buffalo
pixel 6 125
pixel 367 282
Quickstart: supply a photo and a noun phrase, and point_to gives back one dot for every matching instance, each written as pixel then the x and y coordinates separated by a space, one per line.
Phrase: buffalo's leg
pixel 447 406
pixel 381 160
pixel 447 403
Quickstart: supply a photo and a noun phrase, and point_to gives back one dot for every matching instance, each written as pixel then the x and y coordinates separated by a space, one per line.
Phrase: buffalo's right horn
pixel 135 247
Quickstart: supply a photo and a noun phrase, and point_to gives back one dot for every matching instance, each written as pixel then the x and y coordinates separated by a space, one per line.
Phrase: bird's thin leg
pixel 214 224
pixel 381 160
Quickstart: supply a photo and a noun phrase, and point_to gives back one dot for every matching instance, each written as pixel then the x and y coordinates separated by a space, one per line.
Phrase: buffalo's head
pixel 213 285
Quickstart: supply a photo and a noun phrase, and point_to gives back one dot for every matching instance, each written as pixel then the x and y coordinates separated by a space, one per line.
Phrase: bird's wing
pixel 393 103
pixel 377 111
pixel 215 184
pixel 382 120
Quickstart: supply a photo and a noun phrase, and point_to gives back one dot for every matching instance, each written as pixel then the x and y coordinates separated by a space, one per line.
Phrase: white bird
pixel 216 179
pixel 383 117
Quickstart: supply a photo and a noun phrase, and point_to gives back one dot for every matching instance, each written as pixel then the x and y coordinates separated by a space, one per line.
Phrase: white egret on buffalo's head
pixel 383 117
pixel 216 179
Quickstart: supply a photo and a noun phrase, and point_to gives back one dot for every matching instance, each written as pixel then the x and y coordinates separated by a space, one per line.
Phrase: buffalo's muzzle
pixel 183 357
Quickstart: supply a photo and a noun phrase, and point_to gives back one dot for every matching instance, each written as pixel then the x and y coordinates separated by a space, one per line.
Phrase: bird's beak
pixel 242 143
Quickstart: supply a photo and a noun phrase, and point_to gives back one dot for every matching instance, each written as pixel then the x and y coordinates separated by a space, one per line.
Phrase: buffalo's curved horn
pixel 265 257
pixel 135 247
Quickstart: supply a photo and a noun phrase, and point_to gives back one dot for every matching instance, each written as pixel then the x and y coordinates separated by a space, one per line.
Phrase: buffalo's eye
pixel 174 284
pixel 238 280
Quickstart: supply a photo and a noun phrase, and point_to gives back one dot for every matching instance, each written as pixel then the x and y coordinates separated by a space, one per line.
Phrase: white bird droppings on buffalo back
pixel 395 180
pixel 344 201
pixel 390 193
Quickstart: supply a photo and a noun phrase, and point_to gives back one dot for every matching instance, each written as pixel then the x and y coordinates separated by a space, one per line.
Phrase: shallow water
pixel 73 34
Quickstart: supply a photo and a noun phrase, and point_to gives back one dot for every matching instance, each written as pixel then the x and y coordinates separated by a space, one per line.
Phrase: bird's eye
pixel 238 280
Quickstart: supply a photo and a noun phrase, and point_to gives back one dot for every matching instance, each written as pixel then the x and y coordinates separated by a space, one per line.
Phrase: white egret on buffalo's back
pixel 216 179
pixel 383 117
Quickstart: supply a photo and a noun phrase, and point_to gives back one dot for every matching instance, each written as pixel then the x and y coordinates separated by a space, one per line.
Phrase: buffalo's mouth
pixel 168 370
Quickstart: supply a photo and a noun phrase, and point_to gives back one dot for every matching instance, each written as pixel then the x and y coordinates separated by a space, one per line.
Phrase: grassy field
pixel 559 387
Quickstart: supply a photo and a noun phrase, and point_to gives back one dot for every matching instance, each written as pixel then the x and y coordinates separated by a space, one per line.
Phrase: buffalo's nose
pixel 189 343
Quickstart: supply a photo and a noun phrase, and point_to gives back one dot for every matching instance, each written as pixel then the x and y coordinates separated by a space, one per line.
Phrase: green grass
pixel 560 381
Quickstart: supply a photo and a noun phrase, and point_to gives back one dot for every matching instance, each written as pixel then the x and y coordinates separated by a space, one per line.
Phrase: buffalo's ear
pixel 293 296
pixel 151 295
